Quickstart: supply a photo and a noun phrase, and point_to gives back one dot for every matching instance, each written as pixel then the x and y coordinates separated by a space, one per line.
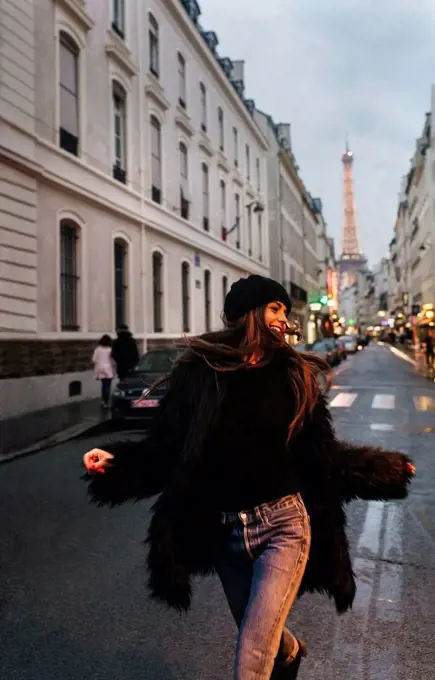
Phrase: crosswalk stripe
pixel 382 427
pixel 382 402
pixel 385 401
pixel 343 400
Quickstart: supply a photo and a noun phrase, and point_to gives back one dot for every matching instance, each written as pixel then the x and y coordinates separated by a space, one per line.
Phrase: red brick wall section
pixel 25 358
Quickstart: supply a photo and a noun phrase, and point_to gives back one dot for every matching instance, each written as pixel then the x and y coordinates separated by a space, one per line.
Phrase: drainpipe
pixel 143 258
pixel 280 233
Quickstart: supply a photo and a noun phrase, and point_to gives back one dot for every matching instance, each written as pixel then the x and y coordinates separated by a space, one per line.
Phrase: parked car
pixel 351 343
pixel 334 349
pixel 321 349
pixel 321 377
pixel 129 400
pixel 342 348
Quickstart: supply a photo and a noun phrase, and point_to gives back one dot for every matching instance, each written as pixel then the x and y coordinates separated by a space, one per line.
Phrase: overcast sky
pixel 328 67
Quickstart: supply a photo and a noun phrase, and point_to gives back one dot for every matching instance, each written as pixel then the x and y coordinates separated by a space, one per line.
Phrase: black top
pixel 248 459
pixel 125 353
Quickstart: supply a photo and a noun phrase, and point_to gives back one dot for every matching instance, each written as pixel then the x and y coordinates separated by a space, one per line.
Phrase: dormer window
pixel 192 8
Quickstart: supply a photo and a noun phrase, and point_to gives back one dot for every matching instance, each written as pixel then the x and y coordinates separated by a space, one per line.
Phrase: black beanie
pixel 255 291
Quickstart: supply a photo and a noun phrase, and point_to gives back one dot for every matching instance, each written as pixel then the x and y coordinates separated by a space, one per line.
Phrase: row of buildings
pixel 398 295
pixel 137 182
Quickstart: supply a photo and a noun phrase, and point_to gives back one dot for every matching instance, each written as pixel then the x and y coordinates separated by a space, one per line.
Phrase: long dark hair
pixel 105 341
pixel 230 348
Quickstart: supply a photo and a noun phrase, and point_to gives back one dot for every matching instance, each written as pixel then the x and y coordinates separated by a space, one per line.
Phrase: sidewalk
pixel 34 431
pixel 414 356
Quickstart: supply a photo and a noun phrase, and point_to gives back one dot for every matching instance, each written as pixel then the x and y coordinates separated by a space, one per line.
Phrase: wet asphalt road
pixel 72 601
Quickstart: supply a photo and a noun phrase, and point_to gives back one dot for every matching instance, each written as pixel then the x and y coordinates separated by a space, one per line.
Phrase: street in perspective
pixel 73 598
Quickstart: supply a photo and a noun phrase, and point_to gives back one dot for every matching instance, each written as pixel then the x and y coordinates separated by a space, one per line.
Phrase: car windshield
pixel 319 346
pixel 157 362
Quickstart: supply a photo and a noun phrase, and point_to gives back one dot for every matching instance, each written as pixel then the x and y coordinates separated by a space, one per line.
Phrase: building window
pixel 153 35
pixel 207 300
pixel 258 175
pixel 236 146
pixel 185 293
pixel 248 162
pixel 223 204
pixel 184 180
pixel 118 19
pixel 237 218
pixel 205 198
pixel 224 289
pixel 249 216
pixel 69 276
pixel 157 292
pixel 181 80
pixel 121 282
pixel 203 95
pixel 221 129
pixel 69 100
pixel 156 160
pixel 260 237
pixel 120 132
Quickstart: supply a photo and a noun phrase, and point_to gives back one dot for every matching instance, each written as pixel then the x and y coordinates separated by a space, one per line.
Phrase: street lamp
pixel 258 208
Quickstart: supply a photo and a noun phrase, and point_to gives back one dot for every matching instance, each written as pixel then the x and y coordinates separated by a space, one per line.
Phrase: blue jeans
pixel 261 568
pixel 105 390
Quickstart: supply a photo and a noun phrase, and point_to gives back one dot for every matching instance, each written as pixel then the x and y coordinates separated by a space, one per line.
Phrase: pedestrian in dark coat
pixel 124 352
pixel 252 480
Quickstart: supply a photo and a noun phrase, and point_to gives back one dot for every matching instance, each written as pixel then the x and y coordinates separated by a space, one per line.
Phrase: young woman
pixel 104 367
pixel 245 458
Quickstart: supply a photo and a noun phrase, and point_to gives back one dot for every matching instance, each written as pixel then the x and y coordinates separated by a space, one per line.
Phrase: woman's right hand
pixel 97 460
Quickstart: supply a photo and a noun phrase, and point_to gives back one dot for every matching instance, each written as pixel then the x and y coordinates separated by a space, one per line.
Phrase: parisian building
pixel 295 222
pixel 411 293
pixel 133 182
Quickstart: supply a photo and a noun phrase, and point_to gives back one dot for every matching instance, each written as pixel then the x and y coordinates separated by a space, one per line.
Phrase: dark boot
pixel 290 671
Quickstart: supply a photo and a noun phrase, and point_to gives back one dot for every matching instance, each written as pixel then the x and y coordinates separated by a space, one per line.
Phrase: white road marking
pixel 403 356
pixel 370 537
pixel 343 400
pixel 382 427
pixel 424 403
pixel 385 401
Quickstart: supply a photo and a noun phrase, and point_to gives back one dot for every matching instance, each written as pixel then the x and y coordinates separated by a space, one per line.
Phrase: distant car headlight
pixel 117 392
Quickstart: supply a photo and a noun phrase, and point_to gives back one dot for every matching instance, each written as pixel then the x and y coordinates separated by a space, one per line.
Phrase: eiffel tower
pixel 352 258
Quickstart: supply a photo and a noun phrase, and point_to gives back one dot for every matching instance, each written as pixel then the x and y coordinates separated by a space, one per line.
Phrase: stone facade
pixel 293 220
pixel 101 181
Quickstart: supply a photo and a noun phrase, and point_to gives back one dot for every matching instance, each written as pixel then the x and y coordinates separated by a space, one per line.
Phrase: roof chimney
pixel 238 72
pixel 284 135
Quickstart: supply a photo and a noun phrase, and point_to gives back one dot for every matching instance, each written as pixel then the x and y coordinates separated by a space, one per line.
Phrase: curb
pixel 58 438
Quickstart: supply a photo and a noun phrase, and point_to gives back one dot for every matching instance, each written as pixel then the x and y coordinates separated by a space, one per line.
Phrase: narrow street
pixel 72 599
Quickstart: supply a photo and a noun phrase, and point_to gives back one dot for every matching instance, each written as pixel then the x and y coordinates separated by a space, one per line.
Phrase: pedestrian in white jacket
pixel 104 367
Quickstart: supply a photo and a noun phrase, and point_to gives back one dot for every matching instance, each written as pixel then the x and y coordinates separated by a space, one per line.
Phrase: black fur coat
pixel 184 530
